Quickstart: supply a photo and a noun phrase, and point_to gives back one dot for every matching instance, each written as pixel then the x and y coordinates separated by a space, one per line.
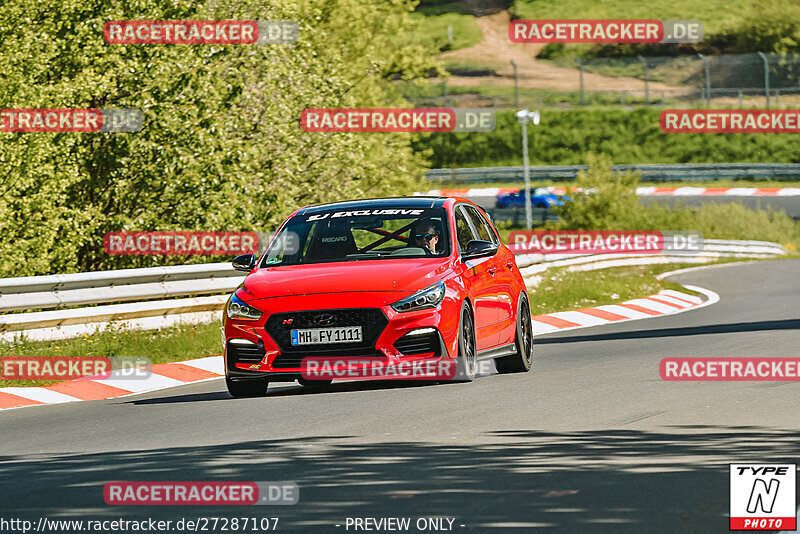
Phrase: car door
pixel 479 283
pixel 500 290
pixel 504 296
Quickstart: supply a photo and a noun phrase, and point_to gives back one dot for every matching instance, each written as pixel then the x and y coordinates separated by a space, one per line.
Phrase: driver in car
pixel 425 235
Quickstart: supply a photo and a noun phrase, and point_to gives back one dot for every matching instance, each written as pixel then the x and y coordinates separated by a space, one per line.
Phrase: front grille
pixel 371 320
pixel 419 344
pixel 246 353
pixel 285 361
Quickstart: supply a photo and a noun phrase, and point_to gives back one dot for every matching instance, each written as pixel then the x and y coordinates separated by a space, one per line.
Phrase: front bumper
pixel 263 349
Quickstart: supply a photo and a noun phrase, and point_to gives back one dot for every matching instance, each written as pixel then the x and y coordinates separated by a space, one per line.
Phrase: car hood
pixel 404 276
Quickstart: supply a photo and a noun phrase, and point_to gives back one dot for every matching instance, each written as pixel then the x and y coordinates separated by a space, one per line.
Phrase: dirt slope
pixel 496 47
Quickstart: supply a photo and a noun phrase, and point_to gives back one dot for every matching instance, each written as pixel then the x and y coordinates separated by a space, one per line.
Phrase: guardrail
pixel 532 265
pixel 690 172
pixel 61 290
pixel 98 289
pixel 217 280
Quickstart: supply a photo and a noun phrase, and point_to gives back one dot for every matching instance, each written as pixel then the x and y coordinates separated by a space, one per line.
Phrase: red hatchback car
pixel 389 279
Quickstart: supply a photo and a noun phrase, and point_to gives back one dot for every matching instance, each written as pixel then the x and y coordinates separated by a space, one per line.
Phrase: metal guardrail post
pixel 766 75
pixel 708 78
pixel 580 73
pixel 646 81
pixel 516 84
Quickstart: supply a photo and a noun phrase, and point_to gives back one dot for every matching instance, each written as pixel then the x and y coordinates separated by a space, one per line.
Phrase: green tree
pixel 221 147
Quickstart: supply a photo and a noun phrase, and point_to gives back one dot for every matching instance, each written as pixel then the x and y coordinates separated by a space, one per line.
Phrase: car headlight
pixel 430 297
pixel 238 309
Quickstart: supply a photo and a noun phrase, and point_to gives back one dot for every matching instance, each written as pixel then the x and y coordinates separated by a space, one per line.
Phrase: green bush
pixel 608 202
pixel 565 136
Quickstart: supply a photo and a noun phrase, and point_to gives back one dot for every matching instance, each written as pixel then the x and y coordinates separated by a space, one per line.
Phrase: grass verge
pixel 432 31
pixel 172 344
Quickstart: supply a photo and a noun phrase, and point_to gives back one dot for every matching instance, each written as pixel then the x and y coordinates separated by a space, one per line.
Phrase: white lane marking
pixel 684 296
pixel 689 191
pixel 135 386
pixel 711 297
pixel 623 311
pixel 740 192
pixel 543 328
pixel 212 364
pixel 482 192
pixel 789 192
pixel 676 302
pixel 578 317
pixel 652 305
pixel 40 394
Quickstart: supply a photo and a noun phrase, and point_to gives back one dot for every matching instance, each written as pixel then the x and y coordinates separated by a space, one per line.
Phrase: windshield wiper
pixel 364 256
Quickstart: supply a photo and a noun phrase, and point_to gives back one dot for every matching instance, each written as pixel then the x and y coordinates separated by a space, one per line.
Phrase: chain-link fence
pixel 744 80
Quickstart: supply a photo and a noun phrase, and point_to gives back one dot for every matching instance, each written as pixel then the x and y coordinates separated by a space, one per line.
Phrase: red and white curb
pixel 113 385
pixel 167 375
pixel 665 302
pixel 641 191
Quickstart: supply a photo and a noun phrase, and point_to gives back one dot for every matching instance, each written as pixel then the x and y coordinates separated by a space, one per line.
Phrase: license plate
pixel 315 336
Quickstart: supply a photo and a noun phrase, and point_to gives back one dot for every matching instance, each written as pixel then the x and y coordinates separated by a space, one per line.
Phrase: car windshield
pixel 360 234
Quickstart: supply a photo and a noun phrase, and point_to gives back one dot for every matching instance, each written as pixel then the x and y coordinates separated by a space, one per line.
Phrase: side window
pixel 492 228
pixel 484 234
pixel 463 230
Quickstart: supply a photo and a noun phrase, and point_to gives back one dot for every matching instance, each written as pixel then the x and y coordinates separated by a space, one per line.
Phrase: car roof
pixel 395 202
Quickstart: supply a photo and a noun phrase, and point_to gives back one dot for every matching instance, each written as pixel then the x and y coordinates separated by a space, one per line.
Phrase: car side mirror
pixel 245 262
pixel 479 249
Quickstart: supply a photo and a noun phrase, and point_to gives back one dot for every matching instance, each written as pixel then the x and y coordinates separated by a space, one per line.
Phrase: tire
pixel 466 363
pixel 521 361
pixel 247 388
pixel 315 385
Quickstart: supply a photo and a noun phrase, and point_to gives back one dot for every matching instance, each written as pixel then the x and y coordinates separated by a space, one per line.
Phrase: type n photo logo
pixel 763 497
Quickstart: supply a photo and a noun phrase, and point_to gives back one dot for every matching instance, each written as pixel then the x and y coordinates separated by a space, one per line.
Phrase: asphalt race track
pixel 590 441
pixel 791 205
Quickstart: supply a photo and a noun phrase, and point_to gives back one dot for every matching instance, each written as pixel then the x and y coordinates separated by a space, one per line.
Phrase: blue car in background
pixel 541 197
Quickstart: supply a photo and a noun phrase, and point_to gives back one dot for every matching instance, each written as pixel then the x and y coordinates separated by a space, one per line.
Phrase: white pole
pixel 528 217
